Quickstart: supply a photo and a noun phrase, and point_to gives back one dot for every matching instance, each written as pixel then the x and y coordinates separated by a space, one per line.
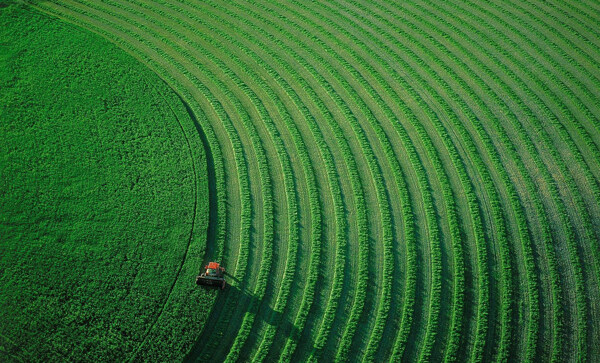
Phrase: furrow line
pixel 474 215
pixel 373 343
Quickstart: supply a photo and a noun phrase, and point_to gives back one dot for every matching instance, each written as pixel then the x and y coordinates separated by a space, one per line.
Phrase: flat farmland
pixel 411 181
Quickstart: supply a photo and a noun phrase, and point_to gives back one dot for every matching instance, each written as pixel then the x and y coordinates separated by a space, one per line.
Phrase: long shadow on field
pixel 212 183
pixel 211 234
pixel 247 302
pixel 244 298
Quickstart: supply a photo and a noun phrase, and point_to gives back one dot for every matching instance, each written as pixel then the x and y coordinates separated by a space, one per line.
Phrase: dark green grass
pixel 103 200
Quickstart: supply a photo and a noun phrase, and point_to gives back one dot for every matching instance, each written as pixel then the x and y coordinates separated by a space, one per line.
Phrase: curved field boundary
pixel 206 127
pixel 341 228
pixel 331 124
pixel 195 245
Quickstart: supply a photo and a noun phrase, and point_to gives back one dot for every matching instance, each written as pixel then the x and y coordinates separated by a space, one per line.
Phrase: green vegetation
pixel 103 203
pixel 390 181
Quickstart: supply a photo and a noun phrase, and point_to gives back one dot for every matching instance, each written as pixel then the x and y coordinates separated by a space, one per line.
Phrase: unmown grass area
pixel 103 199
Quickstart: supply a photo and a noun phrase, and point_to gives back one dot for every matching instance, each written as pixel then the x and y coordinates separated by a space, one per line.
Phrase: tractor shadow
pixel 211 234
pixel 231 305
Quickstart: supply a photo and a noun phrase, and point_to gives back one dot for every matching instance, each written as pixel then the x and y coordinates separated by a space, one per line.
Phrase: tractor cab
pixel 212 269
pixel 214 275
pixel 211 272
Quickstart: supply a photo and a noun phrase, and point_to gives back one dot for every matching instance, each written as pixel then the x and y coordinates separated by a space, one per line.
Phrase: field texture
pixel 103 203
pixel 411 181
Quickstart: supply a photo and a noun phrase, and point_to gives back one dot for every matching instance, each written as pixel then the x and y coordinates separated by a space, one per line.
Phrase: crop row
pixel 386 271
pixel 340 226
pixel 362 83
pixel 588 11
pixel 440 79
pixel 382 85
pixel 491 151
pixel 496 208
pixel 473 215
pixel 551 37
pixel 559 203
pixel 587 229
pixel 282 298
pixel 508 185
pixel 288 275
pixel 533 152
pixel 355 42
pixel 570 120
pixel 384 304
pixel 266 260
pixel 449 202
pixel 362 221
pixel 292 207
pixel 500 169
pixel 354 179
pixel 310 117
pixel 590 36
pixel 340 260
pixel 556 102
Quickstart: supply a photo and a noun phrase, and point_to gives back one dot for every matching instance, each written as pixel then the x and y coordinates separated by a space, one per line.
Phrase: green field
pixel 410 181
pixel 103 205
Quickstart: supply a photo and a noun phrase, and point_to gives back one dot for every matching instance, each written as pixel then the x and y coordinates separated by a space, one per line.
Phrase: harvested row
pixel 341 248
pixel 362 221
pixel 582 211
pixel 373 343
pixel 568 136
pixel 382 201
pixel 262 284
pixel 488 146
pixel 317 230
pixel 269 337
pixel 499 168
pixel 467 110
pixel 507 112
pixel 321 107
pixel 381 318
pixel 571 114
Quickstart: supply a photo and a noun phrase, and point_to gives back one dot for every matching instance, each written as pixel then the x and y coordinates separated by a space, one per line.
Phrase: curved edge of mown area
pixel 104 200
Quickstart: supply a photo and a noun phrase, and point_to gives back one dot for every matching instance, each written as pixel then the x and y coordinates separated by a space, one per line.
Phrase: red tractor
pixel 214 275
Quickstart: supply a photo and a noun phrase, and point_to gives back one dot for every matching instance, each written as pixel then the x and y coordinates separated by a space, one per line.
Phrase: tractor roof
pixel 213 265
